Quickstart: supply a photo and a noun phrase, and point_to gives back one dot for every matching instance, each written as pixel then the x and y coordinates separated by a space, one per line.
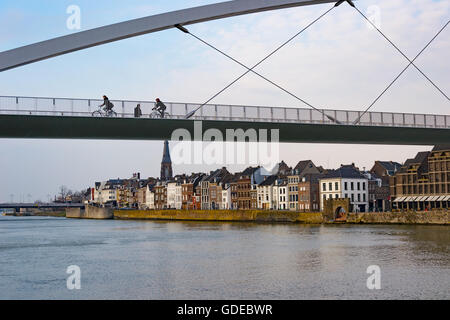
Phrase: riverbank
pixel 222 215
pixel 438 217
pixel 60 214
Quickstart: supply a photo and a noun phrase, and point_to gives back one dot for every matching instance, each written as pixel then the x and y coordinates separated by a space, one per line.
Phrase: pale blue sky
pixel 339 63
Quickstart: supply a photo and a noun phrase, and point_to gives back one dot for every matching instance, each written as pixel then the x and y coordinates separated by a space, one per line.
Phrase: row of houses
pixel 387 185
pixel 301 188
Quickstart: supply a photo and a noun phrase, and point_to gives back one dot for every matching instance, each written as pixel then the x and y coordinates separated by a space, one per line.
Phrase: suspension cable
pixel 190 114
pixel 258 74
pixel 396 47
pixel 399 75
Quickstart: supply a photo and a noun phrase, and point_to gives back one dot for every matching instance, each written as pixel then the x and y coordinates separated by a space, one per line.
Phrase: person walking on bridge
pixel 138 111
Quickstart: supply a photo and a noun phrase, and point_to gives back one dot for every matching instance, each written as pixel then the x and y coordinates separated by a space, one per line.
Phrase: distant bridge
pixel 62 118
pixel 18 206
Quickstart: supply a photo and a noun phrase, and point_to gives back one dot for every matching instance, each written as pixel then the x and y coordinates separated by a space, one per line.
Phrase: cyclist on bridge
pixel 108 104
pixel 160 107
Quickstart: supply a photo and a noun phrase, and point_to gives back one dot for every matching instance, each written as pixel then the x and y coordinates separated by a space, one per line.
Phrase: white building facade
pixel 347 183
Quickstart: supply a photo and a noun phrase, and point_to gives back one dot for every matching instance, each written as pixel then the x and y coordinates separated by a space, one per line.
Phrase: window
pixel 353 197
pixel 324 187
pixel 330 186
pixel 352 186
pixel 345 186
pixel 336 196
pixel 359 197
pixel 364 186
pixel 358 186
pixel 364 197
pixel 346 195
pixel 336 186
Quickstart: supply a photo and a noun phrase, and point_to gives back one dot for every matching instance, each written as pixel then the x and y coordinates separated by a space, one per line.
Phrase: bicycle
pixel 104 113
pixel 158 115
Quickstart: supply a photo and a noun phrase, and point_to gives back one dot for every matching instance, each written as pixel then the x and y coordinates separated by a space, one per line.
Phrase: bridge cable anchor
pixel 350 2
pixel 181 28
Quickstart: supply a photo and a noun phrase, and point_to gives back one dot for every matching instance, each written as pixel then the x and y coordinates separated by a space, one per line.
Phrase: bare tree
pixel 63 192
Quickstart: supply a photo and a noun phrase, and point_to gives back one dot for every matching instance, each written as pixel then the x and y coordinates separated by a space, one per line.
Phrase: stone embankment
pixel 409 217
pixel 436 217
pixel 90 212
pixel 221 215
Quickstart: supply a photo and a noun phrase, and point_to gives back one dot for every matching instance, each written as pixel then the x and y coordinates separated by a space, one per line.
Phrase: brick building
pixel 423 183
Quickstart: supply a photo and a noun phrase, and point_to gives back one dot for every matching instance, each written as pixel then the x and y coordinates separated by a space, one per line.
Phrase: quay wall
pixel 222 215
pixel 409 217
pixel 90 212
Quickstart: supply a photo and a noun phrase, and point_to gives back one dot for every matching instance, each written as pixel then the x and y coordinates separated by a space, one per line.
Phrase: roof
pixel 249 171
pixel 312 177
pixel 217 176
pixel 301 165
pixel 420 159
pixel 282 168
pixel 345 171
pixel 390 166
pixel 441 147
pixel 270 180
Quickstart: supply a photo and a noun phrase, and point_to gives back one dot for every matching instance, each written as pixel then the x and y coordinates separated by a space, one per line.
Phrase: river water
pixel 204 260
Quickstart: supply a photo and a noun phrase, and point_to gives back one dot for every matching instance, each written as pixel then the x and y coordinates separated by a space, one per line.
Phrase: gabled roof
pixel 270 180
pixel 345 171
pixel 301 165
pixel 441 147
pixel 216 176
pixel 249 171
pixel 282 168
pixel 390 166
pixel 420 159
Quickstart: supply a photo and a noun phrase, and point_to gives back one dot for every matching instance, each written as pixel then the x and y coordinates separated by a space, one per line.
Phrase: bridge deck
pixel 125 109
pixel 54 118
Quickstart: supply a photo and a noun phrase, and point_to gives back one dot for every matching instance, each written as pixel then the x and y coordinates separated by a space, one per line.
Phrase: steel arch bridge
pixel 82 40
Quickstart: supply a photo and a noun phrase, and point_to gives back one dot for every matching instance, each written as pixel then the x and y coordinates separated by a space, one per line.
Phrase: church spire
pixel 166 163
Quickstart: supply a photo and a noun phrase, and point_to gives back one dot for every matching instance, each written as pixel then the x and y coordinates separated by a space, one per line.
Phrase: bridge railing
pixel 125 109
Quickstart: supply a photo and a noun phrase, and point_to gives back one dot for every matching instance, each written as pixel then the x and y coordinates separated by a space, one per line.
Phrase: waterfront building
pixel 302 168
pixel 166 163
pixel 145 194
pixel 265 193
pixel 211 190
pixel 379 191
pixel 174 193
pixel 280 194
pixel 292 183
pixel 423 183
pixel 346 182
pixel 160 195
pixel 308 192
pixel 107 192
pixel 188 191
pixel 226 203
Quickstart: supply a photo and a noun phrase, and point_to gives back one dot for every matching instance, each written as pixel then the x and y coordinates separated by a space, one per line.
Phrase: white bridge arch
pixel 94 37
